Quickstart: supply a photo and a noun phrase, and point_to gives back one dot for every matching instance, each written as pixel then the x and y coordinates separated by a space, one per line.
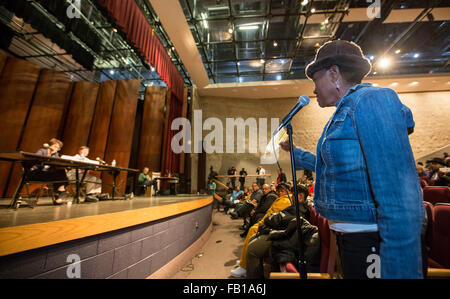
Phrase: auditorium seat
pixel 429 233
pixel 313 216
pixel 435 194
pixel 439 256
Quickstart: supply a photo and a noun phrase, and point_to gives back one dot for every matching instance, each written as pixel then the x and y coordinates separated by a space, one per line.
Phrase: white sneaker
pixel 239 272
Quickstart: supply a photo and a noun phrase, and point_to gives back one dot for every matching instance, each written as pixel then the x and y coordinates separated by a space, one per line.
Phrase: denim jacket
pixel 365 173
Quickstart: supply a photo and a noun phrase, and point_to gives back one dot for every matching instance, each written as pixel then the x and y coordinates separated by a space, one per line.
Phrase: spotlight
pixel 384 62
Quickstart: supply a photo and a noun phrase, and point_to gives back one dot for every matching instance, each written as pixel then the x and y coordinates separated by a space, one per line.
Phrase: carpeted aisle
pixel 220 253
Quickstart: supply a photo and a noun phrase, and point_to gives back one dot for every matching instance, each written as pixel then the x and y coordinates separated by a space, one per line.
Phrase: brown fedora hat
pixel 347 55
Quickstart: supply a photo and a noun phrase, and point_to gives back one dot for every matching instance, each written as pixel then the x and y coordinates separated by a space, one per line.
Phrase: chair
pixel 436 194
pixel 328 253
pixel 429 232
pixel 440 248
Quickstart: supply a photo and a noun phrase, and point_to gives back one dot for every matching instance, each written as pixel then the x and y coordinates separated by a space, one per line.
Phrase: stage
pixel 122 238
pixel 45 211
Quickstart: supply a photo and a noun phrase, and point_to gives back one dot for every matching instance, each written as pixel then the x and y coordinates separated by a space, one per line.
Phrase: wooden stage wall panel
pixel 152 128
pixel 17 86
pixel 3 57
pixel 102 117
pixel 79 117
pixel 46 116
pixel 166 142
pixel 121 129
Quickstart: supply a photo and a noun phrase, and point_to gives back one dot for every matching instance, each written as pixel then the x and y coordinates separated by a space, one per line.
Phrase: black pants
pixel 355 250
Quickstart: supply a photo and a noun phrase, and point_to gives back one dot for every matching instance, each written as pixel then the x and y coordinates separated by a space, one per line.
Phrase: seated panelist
pixel 49 173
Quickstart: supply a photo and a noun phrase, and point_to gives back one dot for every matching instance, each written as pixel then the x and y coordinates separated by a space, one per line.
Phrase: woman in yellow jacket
pixel 281 203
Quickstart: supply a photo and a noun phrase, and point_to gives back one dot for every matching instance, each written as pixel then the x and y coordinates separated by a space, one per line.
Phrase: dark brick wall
pixel 134 252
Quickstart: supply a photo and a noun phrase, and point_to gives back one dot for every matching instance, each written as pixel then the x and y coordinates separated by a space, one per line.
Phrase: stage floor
pixel 45 211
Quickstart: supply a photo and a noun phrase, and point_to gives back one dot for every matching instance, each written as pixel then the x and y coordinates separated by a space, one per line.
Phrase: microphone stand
pixel 301 261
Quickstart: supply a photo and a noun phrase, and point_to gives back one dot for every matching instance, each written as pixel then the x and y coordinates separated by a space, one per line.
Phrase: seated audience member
pixel 93 184
pixel 421 171
pixel 146 180
pixel 248 206
pixel 259 246
pixel 48 173
pixel 232 199
pixel 447 159
pixel 438 177
pixel 282 202
pixel 266 201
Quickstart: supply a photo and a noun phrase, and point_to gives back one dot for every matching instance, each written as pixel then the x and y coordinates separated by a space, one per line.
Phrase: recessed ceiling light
pixel 275 44
pixel 304 2
pixel 230 30
pixel 397 51
pixel 371 57
pixel 416 55
pixel 313 10
pixel 111 72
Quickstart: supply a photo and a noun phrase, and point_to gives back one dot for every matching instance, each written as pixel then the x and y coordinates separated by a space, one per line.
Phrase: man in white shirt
pixel 93 183
pixel 261 179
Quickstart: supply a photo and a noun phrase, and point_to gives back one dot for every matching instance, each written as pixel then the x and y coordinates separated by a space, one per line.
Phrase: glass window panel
pixel 226 79
pixel 250 8
pixel 223 51
pixel 249 50
pixel 278 65
pixel 283 27
pixel 251 66
pixel 224 67
pixel 249 29
pixel 283 48
pixel 218 31
pixel 275 77
pixel 209 8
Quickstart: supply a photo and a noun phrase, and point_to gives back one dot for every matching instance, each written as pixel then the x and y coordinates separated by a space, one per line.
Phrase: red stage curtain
pixel 128 16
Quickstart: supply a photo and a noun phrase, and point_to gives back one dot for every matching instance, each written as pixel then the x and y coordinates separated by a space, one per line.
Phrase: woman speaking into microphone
pixel 366 180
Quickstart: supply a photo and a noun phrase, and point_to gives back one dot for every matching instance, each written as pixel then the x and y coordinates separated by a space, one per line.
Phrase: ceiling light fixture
pixel 275 44
pixel 249 27
pixel 262 61
pixel 417 55
pixel 304 2
pixel 398 51
pixel 313 10
pixel 230 30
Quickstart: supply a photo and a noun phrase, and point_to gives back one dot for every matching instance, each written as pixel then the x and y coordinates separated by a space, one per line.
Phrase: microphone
pixel 302 102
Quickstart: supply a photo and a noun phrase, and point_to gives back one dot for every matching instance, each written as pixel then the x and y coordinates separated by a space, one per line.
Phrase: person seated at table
pixel 47 173
pixel 93 184
pixel 146 180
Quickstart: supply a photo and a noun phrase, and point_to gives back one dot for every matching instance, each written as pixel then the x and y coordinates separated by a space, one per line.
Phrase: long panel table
pixel 28 160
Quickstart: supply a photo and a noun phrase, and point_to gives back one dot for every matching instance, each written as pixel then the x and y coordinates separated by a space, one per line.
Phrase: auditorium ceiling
pixel 239 42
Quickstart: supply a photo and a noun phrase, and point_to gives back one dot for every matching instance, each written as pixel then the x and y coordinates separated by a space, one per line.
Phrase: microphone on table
pixel 302 102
